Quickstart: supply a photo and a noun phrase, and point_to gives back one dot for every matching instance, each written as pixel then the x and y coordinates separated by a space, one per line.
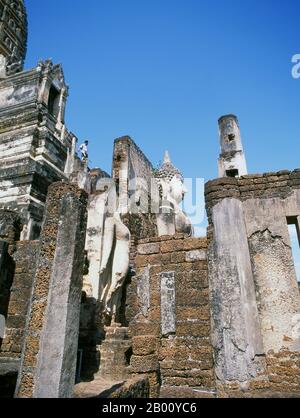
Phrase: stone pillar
pixel 3 63
pixel 232 161
pixel 236 332
pixel 61 108
pixel 49 353
pixel 69 168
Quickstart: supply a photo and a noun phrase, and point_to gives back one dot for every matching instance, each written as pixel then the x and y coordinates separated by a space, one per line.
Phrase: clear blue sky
pixel 164 71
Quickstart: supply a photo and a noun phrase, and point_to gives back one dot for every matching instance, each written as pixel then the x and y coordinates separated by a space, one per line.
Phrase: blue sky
pixel 164 71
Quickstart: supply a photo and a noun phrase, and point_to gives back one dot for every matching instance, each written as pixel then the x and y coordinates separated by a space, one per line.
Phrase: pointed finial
pixel 167 169
pixel 167 159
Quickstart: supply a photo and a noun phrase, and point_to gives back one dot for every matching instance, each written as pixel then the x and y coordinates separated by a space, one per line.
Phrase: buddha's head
pixel 170 181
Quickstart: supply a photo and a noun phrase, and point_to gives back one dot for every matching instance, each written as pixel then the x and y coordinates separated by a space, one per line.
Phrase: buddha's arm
pixel 108 240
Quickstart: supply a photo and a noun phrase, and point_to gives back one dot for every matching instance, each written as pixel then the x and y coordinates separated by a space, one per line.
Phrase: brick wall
pixel 10 228
pixel 171 325
pixel 284 371
pixel 25 258
pixel 268 185
pixel 132 172
pixel 16 279
pixel 141 225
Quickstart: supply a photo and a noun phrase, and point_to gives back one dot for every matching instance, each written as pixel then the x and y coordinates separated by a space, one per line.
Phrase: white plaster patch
pixel 168 303
pixel 6 184
pixel 143 292
pixel 4 94
pixel 196 255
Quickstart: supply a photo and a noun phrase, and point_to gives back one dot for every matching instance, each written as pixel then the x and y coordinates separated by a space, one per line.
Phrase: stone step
pixel 186 392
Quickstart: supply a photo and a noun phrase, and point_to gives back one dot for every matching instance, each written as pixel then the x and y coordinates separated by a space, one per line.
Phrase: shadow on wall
pixel 90 337
pixel 7 267
pixel 8 383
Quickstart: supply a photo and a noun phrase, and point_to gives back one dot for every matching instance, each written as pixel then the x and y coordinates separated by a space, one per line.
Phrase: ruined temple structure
pixel 104 290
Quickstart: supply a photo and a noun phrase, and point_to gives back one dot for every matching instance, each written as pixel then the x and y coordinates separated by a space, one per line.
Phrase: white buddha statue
pixel 172 191
pixel 114 265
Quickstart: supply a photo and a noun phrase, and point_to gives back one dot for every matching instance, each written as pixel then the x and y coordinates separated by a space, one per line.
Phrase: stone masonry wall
pixel 17 263
pixel 25 258
pixel 262 205
pixel 253 186
pixel 141 225
pixel 171 326
pixel 10 228
pixel 132 172
pixel 34 143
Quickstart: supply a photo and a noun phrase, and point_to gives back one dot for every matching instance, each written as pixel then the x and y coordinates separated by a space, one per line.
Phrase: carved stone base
pixel 115 354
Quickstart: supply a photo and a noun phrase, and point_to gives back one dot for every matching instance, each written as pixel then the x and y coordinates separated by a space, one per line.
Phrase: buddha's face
pixel 177 189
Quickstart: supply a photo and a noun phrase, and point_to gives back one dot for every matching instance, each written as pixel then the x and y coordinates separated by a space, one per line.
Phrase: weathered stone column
pixel 49 354
pixel 236 333
pixel 250 243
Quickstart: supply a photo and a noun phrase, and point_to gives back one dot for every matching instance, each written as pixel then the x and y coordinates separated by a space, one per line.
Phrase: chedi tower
pixel 232 162
pixel 13 41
